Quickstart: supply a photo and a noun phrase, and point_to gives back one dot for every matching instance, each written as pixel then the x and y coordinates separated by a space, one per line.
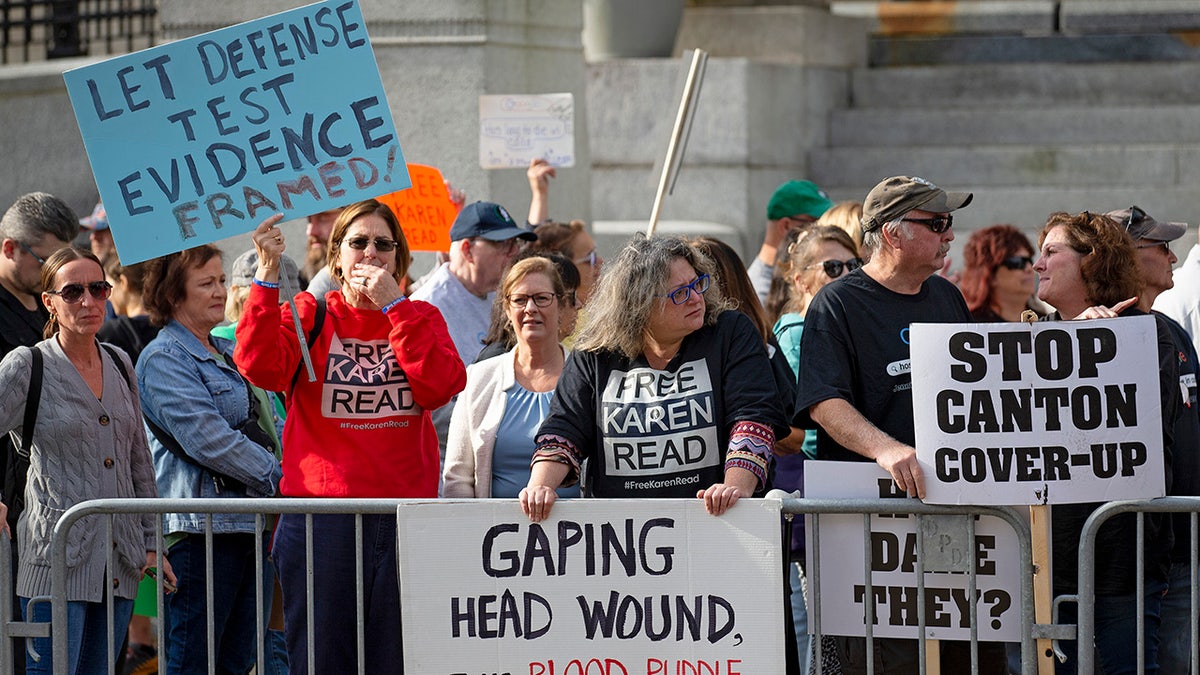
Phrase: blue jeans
pixel 800 617
pixel 334 600
pixel 1178 624
pixel 87 631
pixel 1116 632
pixel 233 612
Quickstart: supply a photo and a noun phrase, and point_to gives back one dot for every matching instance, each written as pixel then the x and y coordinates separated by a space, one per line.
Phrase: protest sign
pixel 198 140
pixel 842 592
pixel 424 210
pixel 1046 413
pixel 514 130
pixel 605 587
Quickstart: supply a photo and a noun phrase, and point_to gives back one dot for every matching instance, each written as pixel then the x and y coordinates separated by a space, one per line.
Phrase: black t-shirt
pixel 130 333
pixel 665 433
pixel 855 347
pixel 1185 442
pixel 19 327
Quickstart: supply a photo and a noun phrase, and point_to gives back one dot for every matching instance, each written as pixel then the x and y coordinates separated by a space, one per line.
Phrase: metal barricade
pixel 867 507
pixel 1086 596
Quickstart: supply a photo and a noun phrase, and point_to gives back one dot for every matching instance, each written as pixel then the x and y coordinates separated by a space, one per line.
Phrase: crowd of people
pixel 518 368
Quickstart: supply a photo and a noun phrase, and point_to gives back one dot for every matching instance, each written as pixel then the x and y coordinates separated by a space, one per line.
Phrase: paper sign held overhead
pixel 514 130
pixel 1054 412
pixel 424 210
pixel 603 586
pixel 200 139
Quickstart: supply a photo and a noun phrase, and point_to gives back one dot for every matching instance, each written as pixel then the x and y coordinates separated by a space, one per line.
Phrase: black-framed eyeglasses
pixel 833 268
pixel 590 258
pixel 1165 244
pixel 938 224
pixel 40 259
pixel 1016 262
pixel 73 293
pixel 520 300
pixel 684 293
pixel 382 245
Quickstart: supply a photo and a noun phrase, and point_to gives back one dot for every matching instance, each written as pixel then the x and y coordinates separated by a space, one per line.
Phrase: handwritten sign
pixel 1047 413
pixel 611 587
pixel 424 210
pixel 514 130
pixel 200 139
pixel 843 594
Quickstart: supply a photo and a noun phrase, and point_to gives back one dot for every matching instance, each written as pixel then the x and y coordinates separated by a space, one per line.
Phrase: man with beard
pixel 35 226
pixel 855 381
pixel 314 269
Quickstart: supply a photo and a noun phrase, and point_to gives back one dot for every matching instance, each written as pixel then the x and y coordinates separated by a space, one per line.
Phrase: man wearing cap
pixel 1182 302
pixel 99 235
pixel 1155 258
pixel 854 364
pixel 315 270
pixel 794 204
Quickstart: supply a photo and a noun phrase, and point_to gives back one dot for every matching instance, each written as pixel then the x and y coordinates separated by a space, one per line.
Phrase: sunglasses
pixel 1165 244
pixel 381 245
pixel 73 293
pixel 684 293
pixel 1016 262
pixel 518 301
pixel 590 258
pixel 938 224
pixel 833 268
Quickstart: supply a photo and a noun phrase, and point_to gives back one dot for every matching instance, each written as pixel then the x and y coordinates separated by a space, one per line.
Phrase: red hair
pixel 984 252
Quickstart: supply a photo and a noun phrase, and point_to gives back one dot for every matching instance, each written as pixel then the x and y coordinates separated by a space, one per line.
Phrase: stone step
pixel 1158 165
pixel 1058 126
pixel 1026 84
pixel 956 49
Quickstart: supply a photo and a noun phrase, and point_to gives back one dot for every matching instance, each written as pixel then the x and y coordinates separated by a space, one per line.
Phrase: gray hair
pixel 37 214
pixel 630 287
pixel 873 240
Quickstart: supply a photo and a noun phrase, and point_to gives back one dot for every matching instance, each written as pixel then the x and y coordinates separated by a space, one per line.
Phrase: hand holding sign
pixel 1102 312
pixel 901 463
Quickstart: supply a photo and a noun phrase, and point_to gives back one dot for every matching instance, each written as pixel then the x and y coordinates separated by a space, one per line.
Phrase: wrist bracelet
pixel 393 304
pixel 265 284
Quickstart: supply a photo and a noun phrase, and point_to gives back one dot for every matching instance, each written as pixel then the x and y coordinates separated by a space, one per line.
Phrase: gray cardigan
pixel 83 449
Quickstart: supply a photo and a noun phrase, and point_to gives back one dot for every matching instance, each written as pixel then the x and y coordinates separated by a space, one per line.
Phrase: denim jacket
pixel 198 399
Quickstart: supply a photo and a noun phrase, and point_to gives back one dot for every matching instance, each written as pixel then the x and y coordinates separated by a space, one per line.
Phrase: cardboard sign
pixel 424 210
pixel 514 130
pixel 611 587
pixel 201 139
pixel 842 593
pixel 1048 413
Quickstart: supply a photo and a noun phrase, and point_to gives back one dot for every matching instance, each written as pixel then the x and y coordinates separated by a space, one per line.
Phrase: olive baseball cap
pixel 797 197
pixel 898 195
pixel 1140 225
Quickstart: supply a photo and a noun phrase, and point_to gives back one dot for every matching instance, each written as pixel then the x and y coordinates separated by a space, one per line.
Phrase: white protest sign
pixel 1047 413
pixel 514 130
pixel 604 587
pixel 894 544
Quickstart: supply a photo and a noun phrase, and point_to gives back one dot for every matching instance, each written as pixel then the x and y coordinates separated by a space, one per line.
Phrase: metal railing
pixel 36 30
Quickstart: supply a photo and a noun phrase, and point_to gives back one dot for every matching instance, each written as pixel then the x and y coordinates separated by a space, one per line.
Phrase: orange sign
pixel 424 210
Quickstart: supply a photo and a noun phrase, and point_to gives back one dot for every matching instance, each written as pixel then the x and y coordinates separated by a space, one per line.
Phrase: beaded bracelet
pixel 265 284
pixel 393 304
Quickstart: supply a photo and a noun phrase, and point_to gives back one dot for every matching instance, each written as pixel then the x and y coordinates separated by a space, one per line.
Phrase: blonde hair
pixel 846 216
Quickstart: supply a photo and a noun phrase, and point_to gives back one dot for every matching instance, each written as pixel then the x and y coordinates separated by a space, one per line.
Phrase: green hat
pixel 797 197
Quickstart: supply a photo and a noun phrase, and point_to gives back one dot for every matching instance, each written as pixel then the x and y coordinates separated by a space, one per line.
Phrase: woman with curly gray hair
pixel 668 392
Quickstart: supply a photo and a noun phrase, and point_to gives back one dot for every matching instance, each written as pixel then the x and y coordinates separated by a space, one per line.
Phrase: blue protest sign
pixel 200 139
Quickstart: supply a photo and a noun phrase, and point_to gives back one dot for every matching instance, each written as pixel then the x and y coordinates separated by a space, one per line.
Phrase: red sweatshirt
pixel 363 428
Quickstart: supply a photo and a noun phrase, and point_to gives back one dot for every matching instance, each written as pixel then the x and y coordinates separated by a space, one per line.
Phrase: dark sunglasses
pixel 381 245
pixel 833 268
pixel 938 224
pixel 73 293
pixel 1016 262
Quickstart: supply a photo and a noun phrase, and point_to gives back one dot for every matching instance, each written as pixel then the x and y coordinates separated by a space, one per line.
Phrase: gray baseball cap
pixel 1140 225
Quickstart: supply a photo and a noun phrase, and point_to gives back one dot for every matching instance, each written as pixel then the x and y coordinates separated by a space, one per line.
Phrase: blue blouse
pixel 524 411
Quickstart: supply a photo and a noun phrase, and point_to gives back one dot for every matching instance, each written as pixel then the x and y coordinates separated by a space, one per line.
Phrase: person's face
pixel 927 249
pixel 1015 283
pixel 669 322
pixel 368 228
pixel 85 316
pixel 28 257
pixel 319 227
pixel 1155 259
pixel 811 280
pixel 102 243
pixel 798 221
pixel 203 304
pixel 588 261
pixel 531 323
pixel 1060 280
pixel 491 257
pixel 569 314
